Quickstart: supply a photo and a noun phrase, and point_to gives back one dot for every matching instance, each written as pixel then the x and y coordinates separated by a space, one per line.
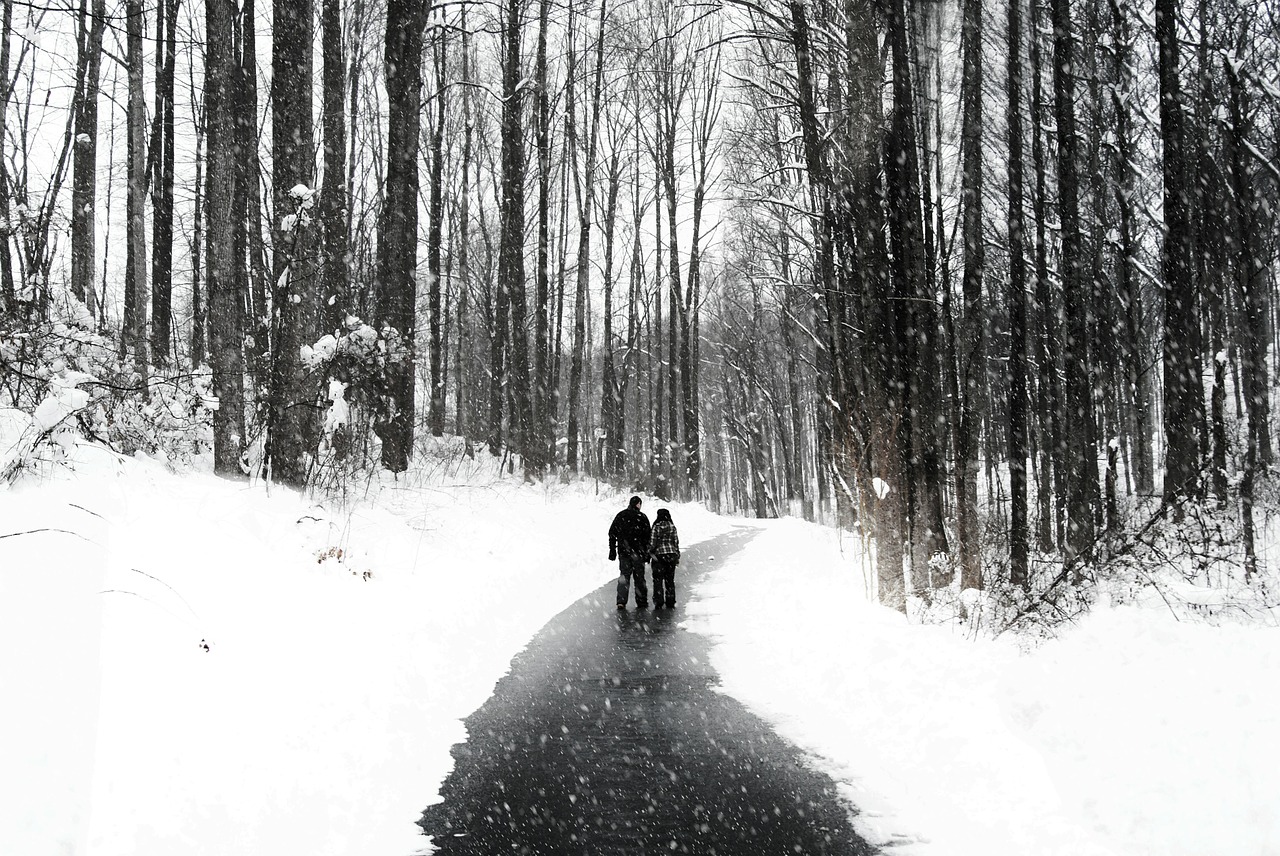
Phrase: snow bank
pixel 206 669
pixel 1134 734
pixel 192 666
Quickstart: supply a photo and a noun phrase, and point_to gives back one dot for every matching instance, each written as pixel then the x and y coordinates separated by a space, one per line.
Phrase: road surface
pixel 609 737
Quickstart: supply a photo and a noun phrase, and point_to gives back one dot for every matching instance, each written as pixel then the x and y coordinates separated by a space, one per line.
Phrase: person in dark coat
pixel 664 555
pixel 629 546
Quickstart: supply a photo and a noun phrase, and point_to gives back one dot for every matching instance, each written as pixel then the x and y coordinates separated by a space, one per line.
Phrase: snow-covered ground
pixel 1132 734
pixel 192 666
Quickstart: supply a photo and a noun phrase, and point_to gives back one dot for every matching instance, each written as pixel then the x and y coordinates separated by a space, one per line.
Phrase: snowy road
pixel 608 736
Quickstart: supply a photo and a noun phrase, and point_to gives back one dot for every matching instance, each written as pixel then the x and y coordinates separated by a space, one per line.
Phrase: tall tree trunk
pixel 920 365
pixel 1251 288
pixel 135 299
pixel 542 413
pixel 335 298
pixel 972 357
pixel 1079 451
pixel 1130 294
pixel 1251 267
pixel 702 144
pixel 511 274
pixel 461 423
pixel 435 237
pixel 162 343
pixel 1050 491
pixel 1181 381
pixel 85 170
pixel 1017 303
pixel 251 253
pixel 610 395
pixel 7 294
pixel 584 246
pixel 398 223
pixel 198 303
pixel 292 428
pixel 225 313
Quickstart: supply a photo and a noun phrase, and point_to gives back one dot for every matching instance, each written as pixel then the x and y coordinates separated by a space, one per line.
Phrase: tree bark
pixel 972 357
pixel 1050 490
pixel 1079 452
pixel 511 273
pixel 1017 303
pixel 542 411
pixel 135 300
pixel 585 214
pixel 162 343
pixel 398 224
pixel 435 238
pixel 1181 381
pixel 7 294
pixel 225 318
pixel 335 298
pixel 293 422
pixel 85 169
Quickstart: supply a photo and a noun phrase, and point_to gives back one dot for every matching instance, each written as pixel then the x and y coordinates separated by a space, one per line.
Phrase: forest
pixel 990 284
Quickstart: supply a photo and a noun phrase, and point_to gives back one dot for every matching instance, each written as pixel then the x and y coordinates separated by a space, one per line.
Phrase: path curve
pixel 608 736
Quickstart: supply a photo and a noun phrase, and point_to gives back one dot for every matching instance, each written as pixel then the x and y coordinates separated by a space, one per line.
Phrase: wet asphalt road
pixel 607 737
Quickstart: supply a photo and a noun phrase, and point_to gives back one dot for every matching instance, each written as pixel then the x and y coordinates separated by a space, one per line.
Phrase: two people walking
pixel 632 542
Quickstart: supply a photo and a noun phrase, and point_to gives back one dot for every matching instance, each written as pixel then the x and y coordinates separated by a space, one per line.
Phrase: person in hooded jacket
pixel 664 555
pixel 629 546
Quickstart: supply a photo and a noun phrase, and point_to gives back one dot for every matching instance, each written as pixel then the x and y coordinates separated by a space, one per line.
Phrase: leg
pixel 663 584
pixel 642 589
pixel 624 581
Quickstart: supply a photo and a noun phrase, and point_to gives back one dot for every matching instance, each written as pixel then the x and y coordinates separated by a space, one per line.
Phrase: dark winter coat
pixel 629 533
pixel 664 542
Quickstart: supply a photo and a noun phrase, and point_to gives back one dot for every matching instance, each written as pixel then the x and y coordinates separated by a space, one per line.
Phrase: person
pixel 629 546
pixel 664 555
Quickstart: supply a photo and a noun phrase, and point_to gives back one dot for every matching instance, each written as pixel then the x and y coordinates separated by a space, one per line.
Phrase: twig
pixel 48 529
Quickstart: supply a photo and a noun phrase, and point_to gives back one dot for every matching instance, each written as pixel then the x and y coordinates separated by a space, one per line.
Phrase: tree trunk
pixel 162 343
pixel 461 423
pixel 225 318
pixel 1017 303
pixel 250 258
pixel 1050 491
pixel 1130 294
pixel 511 274
pixel 398 224
pixel 919 366
pixel 293 425
pixel 1079 452
pixel 585 206
pixel 1181 381
pixel 135 299
pixel 972 356
pixel 542 411
pixel 1251 267
pixel 7 294
pixel 610 396
pixel 435 233
pixel 85 170
pixel 335 299
pixel 198 305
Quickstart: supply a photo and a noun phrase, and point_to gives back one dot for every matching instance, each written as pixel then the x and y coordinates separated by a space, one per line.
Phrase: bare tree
pixel 162 178
pixel 398 222
pixel 292 425
pixel 85 170
pixel 225 303
pixel 135 302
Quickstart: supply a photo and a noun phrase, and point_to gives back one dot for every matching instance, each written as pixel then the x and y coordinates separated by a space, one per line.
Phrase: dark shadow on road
pixel 608 737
